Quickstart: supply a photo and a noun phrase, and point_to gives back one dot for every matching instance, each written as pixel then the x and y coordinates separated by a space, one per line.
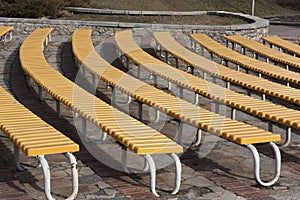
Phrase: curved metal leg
pixel 157 113
pixel 17 158
pixel 288 137
pixel 257 164
pixel 177 173
pixel 146 165
pixel 169 85
pixel 196 99
pixel 152 174
pixel 83 129
pixel 204 75
pixel 103 136
pixel 128 99
pixel 233 113
pixel 198 137
pixel 74 170
pixel 75 114
pixel 124 159
pixel 46 172
pixel 180 129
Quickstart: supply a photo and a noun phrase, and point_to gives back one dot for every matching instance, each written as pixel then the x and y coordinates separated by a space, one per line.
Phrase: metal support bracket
pixel 124 159
pixel 150 163
pixel 198 137
pixel 47 176
pixel 196 99
pixel 288 137
pixel 257 164
pixel 17 158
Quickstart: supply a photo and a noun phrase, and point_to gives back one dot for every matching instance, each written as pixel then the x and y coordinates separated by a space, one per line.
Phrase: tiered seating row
pixel 35 138
pixel 256 107
pixel 264 51
pixel 226 128
pixel 282 44
pixel 262 68
pixel 4 31
pixel 248 81
pixel 131 133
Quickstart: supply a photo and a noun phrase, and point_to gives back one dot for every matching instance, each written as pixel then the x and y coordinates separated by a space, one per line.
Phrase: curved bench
pixel 289 94
pixel 262 50
pixel 226 54
pixel 35 138
pixel 4 31
pixel 282 44
pixel 130 133
pixel 256 107
pixel 226 128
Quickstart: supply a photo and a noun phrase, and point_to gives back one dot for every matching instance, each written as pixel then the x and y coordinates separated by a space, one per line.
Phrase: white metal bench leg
pixel 169 85
pixel 152 174
pixel 47 177
pixel 57 108
pixel 196 99
pixel 146 165
pixel 124 159
pixel 10 35
pixel 257 164
pixel 83 129
pixel 40 93
pixel 128 99
pixel 103 136
pixel 233 113
pixel 198 137
pixel 157 114
pixel 177 173
pixel 17 158
pixel 74 170
pixel 288 137
pixel 180 129
pixel 138 73
pixel 75 114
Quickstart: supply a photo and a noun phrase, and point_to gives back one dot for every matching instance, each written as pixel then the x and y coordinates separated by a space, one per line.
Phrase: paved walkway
pixel 217 169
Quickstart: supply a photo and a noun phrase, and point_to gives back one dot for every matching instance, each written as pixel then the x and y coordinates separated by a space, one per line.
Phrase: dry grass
pixel 192 20
pixel 263 7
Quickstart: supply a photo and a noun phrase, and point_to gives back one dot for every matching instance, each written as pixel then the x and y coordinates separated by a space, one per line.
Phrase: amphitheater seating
pixel 247 81
pixel 256 107
pixel 246 62
pixel 35 138
pixel 282 44
pixel 4 31
pixel 266 52
pixel 130 133
pixel 224 127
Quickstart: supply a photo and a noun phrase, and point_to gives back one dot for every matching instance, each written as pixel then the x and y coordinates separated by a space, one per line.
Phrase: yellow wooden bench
pixel 224 127
pixel 35 138
pixel 282 44
pixel 129 132
pixel 4 31
pixel 256 107
pixel 262 68
pixel 262 50
pixel 266 87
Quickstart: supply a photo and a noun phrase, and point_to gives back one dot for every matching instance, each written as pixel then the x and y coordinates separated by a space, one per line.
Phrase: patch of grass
pixel 262 7
pixel 192 20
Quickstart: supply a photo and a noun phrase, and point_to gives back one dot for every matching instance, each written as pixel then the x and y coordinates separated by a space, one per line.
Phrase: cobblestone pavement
pixel 218 169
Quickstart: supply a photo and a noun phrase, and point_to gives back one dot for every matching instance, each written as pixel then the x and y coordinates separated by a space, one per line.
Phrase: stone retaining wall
pixel 256 27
